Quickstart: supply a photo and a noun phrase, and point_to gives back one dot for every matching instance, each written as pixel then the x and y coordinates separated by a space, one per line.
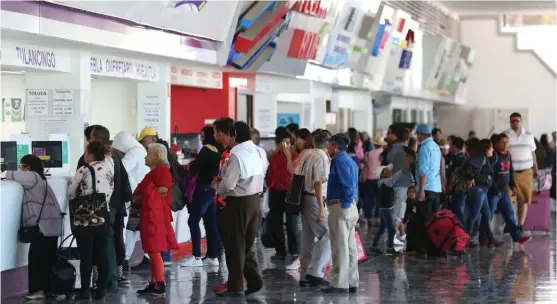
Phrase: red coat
pixel 155 225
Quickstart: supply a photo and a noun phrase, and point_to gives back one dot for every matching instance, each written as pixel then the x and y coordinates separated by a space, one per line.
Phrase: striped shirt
pixel 521 148
pixel 314 166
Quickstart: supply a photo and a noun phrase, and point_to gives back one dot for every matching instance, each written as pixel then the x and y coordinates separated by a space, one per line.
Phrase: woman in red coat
pixel 154 195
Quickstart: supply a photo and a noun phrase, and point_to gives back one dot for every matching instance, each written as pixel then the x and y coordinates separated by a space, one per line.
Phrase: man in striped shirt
pixel 523 154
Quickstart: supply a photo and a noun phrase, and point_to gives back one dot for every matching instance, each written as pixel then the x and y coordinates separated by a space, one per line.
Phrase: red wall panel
pixel 190 107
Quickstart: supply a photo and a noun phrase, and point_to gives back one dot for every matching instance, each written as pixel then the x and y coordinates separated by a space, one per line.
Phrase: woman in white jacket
pixel 134 162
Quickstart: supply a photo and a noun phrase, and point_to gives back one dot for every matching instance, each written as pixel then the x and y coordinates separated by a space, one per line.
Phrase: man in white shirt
pixel 523 154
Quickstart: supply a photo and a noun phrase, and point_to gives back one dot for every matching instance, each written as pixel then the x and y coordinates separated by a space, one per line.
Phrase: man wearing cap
pixel 147 136
pixel 342 196
pixel 429 164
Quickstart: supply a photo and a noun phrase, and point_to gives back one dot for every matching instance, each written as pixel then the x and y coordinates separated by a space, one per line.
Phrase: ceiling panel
pixel 498 7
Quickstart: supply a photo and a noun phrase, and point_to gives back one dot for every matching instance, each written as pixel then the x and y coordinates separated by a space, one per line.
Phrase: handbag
pixel 88 211
pixel 27 234
pixel 293 201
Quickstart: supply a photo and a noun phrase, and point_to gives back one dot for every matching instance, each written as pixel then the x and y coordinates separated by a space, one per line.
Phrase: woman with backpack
pixel 39 208
pixel 205 166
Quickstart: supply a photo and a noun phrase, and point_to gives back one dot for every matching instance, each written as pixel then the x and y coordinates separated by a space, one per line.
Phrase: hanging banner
pixel 208 19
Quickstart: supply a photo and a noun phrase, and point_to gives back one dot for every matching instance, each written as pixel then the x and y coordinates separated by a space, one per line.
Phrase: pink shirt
pixel 373 162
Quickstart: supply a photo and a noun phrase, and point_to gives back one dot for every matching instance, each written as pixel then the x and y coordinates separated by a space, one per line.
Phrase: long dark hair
pixel 209 136
pixel 34 164
pixel 305 134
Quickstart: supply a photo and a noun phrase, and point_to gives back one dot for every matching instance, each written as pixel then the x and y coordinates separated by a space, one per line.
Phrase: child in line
pixel 387 200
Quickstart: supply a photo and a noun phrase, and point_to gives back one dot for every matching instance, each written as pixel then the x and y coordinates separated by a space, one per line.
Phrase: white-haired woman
pixel 152 199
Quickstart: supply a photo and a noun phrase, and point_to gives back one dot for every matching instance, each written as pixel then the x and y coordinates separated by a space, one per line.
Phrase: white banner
pixel 31 56
pixel 209 19
pixel 123 68
pixel 196 77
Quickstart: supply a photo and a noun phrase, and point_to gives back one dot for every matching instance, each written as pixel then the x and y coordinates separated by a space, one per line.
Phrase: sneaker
pixel 192 262
pixel 154 288
pixel 524 239
pixel 167 263
pixel 38 295
pixel 294 266
pixel 123 281
pixel 220 288
pixel 211 262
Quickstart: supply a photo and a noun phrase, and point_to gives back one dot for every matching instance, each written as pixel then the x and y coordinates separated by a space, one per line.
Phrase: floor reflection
pixel 505 275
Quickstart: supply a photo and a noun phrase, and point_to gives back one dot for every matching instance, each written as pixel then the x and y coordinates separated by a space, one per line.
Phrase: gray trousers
pixel 316 245
pixel 342 227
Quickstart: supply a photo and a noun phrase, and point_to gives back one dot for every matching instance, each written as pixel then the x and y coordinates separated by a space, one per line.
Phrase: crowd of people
pixel 319 182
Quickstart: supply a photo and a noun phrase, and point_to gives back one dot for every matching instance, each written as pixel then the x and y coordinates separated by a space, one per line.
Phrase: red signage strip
pixel 244 44
pixel 304 45
pixel 311 8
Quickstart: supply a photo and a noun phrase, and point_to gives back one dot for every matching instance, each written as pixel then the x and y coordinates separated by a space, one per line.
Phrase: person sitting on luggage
pixel 498 196
pixel 387 201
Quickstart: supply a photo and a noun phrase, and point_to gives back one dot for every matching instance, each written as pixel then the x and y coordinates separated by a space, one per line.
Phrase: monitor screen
pixel 50 152
pixel 8 155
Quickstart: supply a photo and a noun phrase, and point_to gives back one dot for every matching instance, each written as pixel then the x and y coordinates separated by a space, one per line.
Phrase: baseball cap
pixel 341 140
pixel 147 131
pixel 423 129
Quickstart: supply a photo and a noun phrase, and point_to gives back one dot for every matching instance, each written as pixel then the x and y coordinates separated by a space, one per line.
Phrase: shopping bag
pixel 362 256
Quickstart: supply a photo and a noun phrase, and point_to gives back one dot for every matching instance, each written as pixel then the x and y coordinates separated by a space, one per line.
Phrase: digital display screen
pixel 50 152
pixel 8 155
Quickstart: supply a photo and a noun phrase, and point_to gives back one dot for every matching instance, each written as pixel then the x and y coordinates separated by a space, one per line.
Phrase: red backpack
pixel 446 232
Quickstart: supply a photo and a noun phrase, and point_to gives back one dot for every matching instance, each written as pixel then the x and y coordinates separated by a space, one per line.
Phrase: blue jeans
pixel 203 207
pixel 479 212
pixel 503 203
pixel 458 207
pixel 387 222
pixel 371 200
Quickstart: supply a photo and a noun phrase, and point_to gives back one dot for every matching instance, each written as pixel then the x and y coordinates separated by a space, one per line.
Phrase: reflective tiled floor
pixel 505 275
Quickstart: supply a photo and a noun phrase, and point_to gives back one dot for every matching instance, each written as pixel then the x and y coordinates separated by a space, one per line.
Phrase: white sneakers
pixel 211 262
pixel 197 262
pixel 294 266
pixel 192 262
pixel 39 295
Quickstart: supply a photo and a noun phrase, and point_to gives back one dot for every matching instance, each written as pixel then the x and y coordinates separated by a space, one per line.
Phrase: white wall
pixel 359 102
pixel 114 104
pixel 504 78
pixel 13 86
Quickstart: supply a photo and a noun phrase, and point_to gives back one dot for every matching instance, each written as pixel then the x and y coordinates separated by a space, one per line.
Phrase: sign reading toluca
pixel 123 68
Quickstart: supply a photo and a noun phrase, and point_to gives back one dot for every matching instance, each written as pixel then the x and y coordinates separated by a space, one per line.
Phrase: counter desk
pixel 13 254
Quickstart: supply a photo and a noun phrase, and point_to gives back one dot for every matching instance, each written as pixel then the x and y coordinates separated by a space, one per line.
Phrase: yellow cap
pixel 147 131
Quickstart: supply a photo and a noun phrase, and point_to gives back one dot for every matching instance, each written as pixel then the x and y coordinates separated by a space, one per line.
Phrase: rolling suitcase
pixel 539 213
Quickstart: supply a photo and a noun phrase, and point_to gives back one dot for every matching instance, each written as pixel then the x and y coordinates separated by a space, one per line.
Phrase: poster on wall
pixel 16 109
pixel 62 102
pixel 284 119
pixel 152 116
pixel 37 102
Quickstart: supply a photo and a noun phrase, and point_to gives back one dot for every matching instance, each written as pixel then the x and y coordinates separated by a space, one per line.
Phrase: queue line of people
pixel 390 178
